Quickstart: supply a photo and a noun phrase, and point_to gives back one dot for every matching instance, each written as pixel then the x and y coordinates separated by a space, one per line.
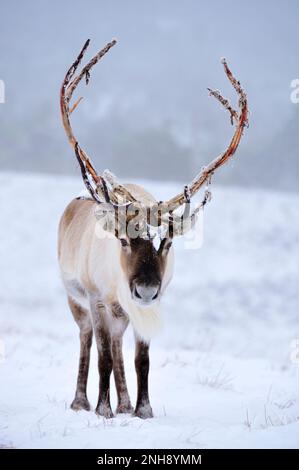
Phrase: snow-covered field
pixel 221 370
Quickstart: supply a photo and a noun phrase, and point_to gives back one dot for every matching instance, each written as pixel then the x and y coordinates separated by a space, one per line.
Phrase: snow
pixel 221 371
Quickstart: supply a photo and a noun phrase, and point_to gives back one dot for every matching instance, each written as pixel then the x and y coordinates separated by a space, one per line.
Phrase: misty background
pixel 146 112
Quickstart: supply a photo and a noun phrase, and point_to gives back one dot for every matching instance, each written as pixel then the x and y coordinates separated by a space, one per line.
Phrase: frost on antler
pixel 117 187
pixel 233 113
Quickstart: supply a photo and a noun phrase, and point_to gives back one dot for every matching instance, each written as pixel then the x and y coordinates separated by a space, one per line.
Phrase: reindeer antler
pixel 183 223
pixel 241 120
pixel 94 182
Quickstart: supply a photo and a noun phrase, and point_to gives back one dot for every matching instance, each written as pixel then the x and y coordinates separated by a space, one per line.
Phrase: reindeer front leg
pixel 105 361
pixel 143 408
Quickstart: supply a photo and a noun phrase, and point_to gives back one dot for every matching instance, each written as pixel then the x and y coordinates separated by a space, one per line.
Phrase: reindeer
pixel 111 268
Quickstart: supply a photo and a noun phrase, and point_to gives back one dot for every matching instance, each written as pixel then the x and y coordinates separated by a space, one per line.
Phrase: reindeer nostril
pixel 137 293
pixel 146 293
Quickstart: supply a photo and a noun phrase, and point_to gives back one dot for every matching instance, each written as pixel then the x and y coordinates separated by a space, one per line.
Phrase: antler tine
pixel 72 70
pixel 85 72
pixel 241 121
pixel 181 224
pixel 75 105
pixel 233 113
pixel 235 83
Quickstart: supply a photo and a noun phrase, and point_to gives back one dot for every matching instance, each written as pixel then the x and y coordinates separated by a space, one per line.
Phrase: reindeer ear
pixel 125 245
pixel 105 215
pixel 165 246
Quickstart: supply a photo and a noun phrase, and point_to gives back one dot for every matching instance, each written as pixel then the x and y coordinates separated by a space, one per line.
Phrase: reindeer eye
pixel 165 246
pixel 124 242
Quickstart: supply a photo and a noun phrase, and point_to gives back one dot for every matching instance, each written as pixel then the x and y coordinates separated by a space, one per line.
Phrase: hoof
pixel 80 404
pixel 144 412
pixel 124 408
pixel 105 411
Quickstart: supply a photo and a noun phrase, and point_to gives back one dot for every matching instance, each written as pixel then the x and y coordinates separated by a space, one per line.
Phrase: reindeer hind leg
pixel 83 320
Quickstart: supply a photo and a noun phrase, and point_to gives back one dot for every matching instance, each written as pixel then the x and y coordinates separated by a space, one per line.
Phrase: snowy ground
pixel 221 374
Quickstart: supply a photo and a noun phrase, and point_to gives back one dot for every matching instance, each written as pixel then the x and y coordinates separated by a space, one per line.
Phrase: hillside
pixel 221 373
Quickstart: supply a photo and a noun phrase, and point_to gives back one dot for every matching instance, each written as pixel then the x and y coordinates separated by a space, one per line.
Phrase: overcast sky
pixel 147 112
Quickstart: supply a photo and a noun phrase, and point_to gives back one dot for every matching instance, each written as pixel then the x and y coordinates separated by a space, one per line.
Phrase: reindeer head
pixel 144 254
pixel 144 267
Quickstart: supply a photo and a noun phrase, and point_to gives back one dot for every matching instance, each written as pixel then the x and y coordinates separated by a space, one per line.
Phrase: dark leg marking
pixel 105 361
pixel 82 319
pixel 143 408
pixel 120 322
